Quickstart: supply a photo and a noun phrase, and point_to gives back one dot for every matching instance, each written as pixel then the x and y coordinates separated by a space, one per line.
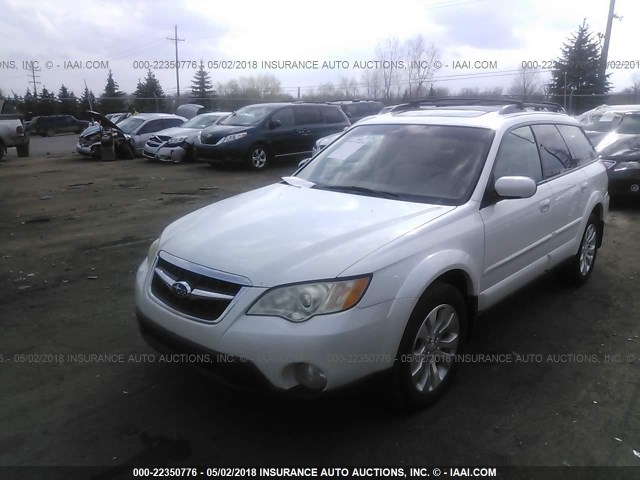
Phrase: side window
pixel 333 115
pixel 306 115
pixel 150 127
pixel 171 122
pixel 581 149
pixel 554 153
pixel 363 109
pixel 285 116
pixel 518 155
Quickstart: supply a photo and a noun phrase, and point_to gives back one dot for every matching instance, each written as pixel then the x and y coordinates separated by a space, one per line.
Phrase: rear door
pixel 568 184
pixel 309 125
pixel 517 231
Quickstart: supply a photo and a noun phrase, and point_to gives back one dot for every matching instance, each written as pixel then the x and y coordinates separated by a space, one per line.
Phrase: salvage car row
pixel 254 135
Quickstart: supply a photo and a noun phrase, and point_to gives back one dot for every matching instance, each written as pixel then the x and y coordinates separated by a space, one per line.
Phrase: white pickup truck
pixel 13 133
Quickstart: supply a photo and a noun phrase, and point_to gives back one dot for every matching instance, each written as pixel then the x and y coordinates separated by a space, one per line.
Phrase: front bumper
pixel 84 149
pixel 235 151
pixel 347 347
pixel 625 182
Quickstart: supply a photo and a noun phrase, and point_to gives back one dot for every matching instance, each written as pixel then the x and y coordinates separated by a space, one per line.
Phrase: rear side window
pixel 630 124
pixel 554 153
pixel 306 114
pixel 151 126
pixel 333 115
pixel 518 155
pixel 579 147
pixel 363 109
pixel 172 122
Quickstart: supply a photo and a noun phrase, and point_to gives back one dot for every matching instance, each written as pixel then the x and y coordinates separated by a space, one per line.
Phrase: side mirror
pixel 274 123
pixel 515 187
pixel 303 162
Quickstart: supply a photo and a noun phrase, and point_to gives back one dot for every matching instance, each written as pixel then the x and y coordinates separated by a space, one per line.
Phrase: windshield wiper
pixel 357 190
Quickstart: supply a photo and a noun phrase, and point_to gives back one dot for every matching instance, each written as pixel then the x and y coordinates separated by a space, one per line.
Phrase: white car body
pixel 160 146
pixel 288 233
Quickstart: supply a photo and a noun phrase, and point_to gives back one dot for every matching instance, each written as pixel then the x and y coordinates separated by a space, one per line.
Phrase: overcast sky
pixel 504 31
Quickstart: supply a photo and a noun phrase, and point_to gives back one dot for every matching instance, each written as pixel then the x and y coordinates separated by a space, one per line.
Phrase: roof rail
pixel 508 105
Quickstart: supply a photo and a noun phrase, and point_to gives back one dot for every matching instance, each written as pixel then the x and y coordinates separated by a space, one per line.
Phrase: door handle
pixel 583 186
pixel 544 205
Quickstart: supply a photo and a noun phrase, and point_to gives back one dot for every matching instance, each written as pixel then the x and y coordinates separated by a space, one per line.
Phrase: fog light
pixel 310 376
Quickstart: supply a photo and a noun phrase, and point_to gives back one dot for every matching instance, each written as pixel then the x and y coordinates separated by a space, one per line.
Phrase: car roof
pixel 149 116
pixel 471 116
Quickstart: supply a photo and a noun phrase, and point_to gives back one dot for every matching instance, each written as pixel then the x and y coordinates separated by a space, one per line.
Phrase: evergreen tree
pixel 576 73
pixel 68 101
pixel 87 102
pixel 29 105
pixel 202 90
pixel 46 104
pixel 146 94
pixel 112 100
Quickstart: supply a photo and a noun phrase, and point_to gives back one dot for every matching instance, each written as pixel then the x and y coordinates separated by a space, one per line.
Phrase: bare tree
pixel 526 84
pixel 389 54
pixel 372 82
pixel 419 65
pixel 634 89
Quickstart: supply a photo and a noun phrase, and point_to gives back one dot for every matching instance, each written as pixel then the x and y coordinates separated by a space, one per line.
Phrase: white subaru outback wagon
pixel 376 255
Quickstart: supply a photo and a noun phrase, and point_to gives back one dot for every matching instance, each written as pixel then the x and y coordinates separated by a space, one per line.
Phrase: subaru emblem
pixel 181 289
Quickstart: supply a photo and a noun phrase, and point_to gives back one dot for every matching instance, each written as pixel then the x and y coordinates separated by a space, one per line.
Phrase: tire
pixel 49 133
pixel 23 150
pixel 258 157
pixel 433 338
pixel 1 151
pixel 579 268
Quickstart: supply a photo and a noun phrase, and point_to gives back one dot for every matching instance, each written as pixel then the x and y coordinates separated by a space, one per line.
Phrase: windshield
pixel 251 115
pixel 421 163
pixel 202 121
pixel 130 124
pixel 602 122
pixel 630 124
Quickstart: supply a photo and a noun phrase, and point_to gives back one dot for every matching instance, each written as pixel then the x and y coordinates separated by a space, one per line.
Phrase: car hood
pixel 281 234
pixel 176 132
pixel 90 130
pixel 620 147
pixel 224 130
pixel 104 121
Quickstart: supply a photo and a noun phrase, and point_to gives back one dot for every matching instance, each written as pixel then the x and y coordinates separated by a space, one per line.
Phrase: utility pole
pixel 175 40
pixel 33 77
pixel 605 46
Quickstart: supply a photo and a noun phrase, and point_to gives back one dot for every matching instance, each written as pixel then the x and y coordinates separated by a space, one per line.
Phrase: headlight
pixel 153 251
pixel 298 303
pixel 231 138
pixel 175 141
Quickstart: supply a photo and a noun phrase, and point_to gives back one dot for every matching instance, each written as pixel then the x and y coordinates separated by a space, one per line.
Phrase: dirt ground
pixel 73 232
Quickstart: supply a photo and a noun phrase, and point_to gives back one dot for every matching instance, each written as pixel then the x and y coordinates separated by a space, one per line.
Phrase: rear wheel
pixel 578 270
pixel 23 150
pixel 427 356
pixel 258 157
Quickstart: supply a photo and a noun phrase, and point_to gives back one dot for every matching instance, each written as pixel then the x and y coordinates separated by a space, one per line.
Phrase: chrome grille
pixel 207 299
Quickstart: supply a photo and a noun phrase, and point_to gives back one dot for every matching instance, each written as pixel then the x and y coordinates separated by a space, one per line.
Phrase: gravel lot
pixel 73 233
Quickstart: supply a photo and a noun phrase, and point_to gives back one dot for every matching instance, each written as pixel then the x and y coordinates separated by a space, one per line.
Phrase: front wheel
pixel 258 157
pixel 428 353
pixel 578 270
